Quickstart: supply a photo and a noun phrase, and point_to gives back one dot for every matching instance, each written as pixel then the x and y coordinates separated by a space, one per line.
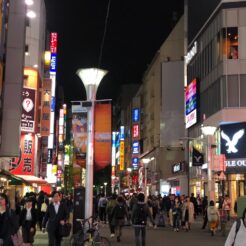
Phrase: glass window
pixel 230 42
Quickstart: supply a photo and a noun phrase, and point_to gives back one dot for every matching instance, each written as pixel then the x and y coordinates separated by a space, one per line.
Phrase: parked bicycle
pixel 89 234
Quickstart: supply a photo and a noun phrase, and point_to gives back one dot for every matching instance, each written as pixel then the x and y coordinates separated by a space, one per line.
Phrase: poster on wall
pixel 79 131
pixel 25 164
pixel 28 110
pixel 103 129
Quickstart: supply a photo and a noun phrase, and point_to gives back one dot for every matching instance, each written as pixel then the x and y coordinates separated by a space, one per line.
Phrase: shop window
pixel 230 42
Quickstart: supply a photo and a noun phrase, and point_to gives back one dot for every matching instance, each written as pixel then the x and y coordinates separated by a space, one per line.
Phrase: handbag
pixel 64 230
pixel 17 239
pixel 43 207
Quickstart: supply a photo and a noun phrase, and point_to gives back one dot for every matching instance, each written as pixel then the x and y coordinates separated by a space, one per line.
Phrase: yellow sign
pixel 122 155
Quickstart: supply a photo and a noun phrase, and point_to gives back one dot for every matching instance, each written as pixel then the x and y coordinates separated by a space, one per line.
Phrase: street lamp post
pixel 209 132
pixel 91 77
pixel 105 188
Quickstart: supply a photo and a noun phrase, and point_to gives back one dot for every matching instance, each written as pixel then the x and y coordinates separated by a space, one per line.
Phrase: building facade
pixel 216 62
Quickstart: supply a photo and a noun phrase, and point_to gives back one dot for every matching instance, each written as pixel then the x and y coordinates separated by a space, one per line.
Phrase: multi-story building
pixel 163 120
pixel 216 70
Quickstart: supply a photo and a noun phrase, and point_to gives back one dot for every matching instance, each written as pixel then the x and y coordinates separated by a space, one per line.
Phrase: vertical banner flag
pixel 79 129
pixel 45 113
pixel 103 129
pixel 28 110
pixel 25 166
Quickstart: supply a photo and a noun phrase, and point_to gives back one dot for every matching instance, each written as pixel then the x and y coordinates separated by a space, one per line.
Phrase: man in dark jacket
pixel 56 216
pixel 139 216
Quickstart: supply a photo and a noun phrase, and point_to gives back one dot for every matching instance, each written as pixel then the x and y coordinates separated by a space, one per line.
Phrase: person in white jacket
pixel 213 217
pixel 237 238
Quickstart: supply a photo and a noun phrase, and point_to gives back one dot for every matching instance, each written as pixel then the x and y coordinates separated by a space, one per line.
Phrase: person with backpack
pixel 140 213
pixel 237 234
pixel 109 210
pixel 119 214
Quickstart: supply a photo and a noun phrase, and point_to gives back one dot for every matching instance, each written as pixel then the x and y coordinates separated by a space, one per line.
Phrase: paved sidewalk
pixel 155 237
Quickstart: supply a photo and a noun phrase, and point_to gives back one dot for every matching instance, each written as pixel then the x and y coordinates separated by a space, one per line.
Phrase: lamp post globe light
pixel 209 132
pixel 91 78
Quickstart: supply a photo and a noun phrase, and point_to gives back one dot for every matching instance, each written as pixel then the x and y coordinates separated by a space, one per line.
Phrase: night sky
pixel 136 29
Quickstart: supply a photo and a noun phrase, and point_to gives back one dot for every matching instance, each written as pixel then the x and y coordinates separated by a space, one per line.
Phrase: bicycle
pixel 90 235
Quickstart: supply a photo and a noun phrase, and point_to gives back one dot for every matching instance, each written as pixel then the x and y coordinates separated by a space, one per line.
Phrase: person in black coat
pixel 8 222
pixel 56 216
pixel 28 220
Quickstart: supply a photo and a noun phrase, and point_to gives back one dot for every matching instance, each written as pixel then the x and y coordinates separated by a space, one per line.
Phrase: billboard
pixel 103 129
pixel 45 110
pixel 25 165
pixel 191 104
pixel 28 110
pixel 79 131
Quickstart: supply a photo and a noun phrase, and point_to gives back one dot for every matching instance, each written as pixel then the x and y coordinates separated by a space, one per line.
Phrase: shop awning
pixel 33 179
pixel 13 179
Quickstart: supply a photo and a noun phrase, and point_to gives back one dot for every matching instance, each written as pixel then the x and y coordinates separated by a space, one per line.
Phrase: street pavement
pixel 156 237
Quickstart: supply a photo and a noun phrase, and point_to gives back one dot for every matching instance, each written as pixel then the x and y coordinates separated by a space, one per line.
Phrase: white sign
pixel 191 53
pixel 191 119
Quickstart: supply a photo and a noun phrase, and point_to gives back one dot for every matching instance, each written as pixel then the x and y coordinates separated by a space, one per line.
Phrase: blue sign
pixel 53 63
pixel 135 115
pixel 122 133
pixel 135 163
pixel 53 104
pixel 135 147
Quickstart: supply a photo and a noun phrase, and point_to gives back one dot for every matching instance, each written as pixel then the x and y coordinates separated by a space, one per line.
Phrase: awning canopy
pixel 13 179
pixel 33 179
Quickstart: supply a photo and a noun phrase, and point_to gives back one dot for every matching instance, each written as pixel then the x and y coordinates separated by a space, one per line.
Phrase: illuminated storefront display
pixel 135 115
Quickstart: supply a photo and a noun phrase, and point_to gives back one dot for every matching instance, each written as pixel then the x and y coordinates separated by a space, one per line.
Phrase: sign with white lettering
pixel 190 55
pixel 236 166
pixel 178 167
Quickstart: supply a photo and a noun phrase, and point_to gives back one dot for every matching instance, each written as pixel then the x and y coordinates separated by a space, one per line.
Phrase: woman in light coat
pixel 188 213
pixel 213 217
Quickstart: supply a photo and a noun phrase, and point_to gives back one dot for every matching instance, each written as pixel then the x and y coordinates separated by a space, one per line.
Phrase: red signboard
pixel 135 131
pixel 53 42
pixel 25 165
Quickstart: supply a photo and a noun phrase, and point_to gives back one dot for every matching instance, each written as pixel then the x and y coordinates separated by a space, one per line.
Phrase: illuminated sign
pixel 178 167
pixel 135 115
pixel 191 104
pixel 53 42
pixel 53 63
pixel 113 161
pixel 122 133
pixel 53 104
pixel 135 131
pixel 135 162
pixel 28 110
pixel 190 55
pixel 135 147
pixel 122 155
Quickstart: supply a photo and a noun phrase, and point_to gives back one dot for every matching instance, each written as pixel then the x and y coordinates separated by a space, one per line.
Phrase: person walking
pixel 8 222
pixel 102 204
pixel 188 214
pixel 205 212
pixel 28 220
pixel 176 210
pixel 109 210
pixel 56 216
pixel 119 214
pixel 237 234
pixel 139 216
pixel 213 217
pixel 227 206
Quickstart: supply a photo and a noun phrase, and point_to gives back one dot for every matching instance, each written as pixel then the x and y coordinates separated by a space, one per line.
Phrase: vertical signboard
pixel 122 157
pixel 103 130
pixel 191 104
pixel 28 110
pixel 79 131
pixel 45 111
pixel 25 166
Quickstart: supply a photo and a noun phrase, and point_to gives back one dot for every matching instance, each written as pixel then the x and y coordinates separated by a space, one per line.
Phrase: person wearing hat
pixel 28 220
pixel 8 222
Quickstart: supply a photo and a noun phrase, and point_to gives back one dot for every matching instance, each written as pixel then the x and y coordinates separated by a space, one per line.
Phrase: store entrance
pixel 241 188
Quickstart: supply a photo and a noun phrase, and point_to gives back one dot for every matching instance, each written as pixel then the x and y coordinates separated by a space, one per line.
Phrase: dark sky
pixel 135 31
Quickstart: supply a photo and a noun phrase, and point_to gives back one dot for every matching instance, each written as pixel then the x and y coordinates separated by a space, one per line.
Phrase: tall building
pixel 217 82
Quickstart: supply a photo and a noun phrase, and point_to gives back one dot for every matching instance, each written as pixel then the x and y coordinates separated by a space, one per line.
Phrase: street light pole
pixel 209 132
pixel 91 77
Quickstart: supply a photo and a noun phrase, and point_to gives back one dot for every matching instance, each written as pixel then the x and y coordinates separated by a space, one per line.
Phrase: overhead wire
pixel 104 35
